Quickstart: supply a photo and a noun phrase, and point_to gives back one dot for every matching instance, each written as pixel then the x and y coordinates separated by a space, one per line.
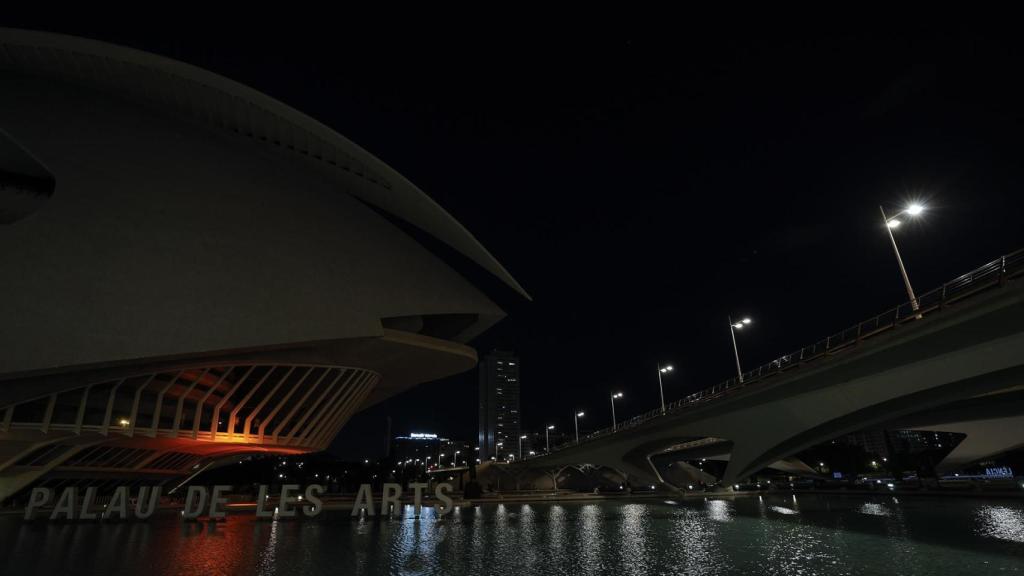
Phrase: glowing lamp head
pixel 747 320
pixel 617 395
pixel 579 414
pixel 915 209
pixel 894 223
pixel 523 437
pixel 552 427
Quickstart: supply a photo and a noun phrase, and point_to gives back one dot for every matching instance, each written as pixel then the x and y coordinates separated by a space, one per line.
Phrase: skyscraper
pixel 499 405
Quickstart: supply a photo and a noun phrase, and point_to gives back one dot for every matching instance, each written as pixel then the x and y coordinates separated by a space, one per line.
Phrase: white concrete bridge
pixel 955 363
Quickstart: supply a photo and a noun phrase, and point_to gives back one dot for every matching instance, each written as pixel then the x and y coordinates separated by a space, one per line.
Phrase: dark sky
pixel 642 186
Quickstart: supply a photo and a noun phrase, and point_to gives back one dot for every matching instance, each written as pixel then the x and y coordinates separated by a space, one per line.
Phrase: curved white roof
pixel 228 105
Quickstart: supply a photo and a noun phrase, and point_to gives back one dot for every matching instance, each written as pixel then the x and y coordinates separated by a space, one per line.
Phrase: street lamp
pixel 547 438
pixel 521 438
pixel 733 327
pixel 576 422
pixel 614 396
pixel 891 223
pixel 457 452
pixel 661 389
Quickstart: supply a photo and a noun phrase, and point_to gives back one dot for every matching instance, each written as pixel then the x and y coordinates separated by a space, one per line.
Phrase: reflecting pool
pixel 771 534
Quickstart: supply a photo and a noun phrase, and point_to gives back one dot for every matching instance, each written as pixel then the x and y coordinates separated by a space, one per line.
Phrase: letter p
pixel 39 497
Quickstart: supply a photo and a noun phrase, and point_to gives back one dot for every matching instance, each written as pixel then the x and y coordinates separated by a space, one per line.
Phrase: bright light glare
pixel 746 320
pixel 617 395
pixel 915 209
pixel 579 414
pixel 894 223
pixel 552 427
pixel 737 325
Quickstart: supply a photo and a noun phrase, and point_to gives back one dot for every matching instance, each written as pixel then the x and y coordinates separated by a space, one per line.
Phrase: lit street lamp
pixel 733 327
pixel 661 389
pixel 521 438
pixel 892 222
pixel 614 396
pixel 576 422
pixel 547 438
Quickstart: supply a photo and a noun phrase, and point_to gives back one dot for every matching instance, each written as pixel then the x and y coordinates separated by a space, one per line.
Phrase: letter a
pixel 364 499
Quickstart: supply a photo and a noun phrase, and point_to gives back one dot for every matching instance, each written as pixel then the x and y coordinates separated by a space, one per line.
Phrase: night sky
pixel 642 187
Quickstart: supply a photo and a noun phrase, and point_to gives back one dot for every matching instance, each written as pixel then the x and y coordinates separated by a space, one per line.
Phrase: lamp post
pixel 661 388
pixel 614 396
pixel 733 327
pixel 891 223
pixel 547 438
pixel 576 423
pixel 521 438
pixel 454 456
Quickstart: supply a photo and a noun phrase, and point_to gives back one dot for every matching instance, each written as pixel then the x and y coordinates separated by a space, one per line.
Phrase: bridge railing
pixel 991 275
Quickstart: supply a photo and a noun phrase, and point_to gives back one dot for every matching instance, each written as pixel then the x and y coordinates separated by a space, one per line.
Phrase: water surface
pixel 773 534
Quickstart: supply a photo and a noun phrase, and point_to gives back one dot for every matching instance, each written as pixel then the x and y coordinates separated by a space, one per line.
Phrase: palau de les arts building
pixel 192 271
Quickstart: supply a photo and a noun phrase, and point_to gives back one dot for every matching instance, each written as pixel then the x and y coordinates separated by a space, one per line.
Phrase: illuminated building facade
pixel 499 414
pixel 194 271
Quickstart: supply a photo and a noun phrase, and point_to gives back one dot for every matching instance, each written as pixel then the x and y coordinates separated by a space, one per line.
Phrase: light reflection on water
pixel 1002 522
pixel 874 509
pixel 768 534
